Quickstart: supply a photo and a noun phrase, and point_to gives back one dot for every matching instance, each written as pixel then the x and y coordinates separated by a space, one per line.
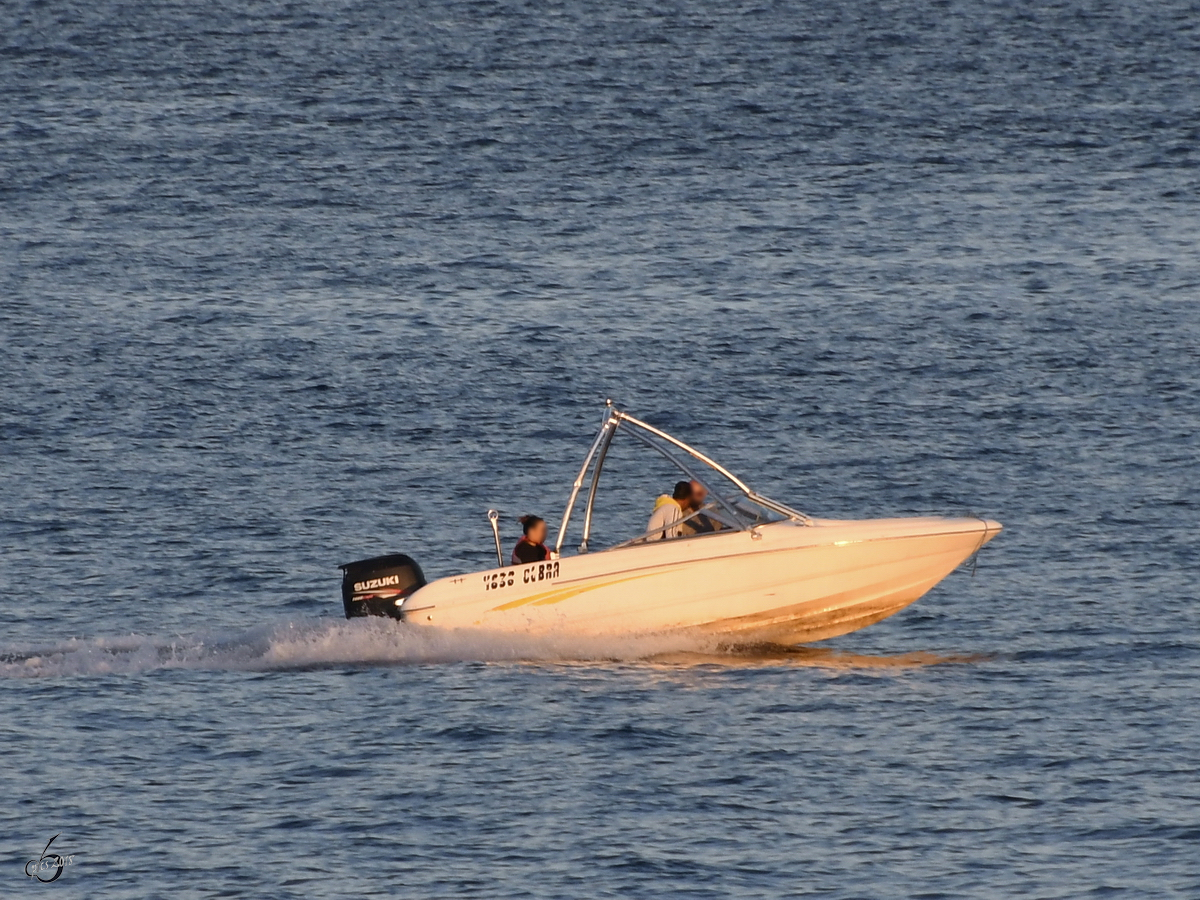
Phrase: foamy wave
pixel 323 643
pixel 318 644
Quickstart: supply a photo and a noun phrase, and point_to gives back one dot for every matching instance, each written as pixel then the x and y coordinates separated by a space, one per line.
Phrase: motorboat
pixel 744 569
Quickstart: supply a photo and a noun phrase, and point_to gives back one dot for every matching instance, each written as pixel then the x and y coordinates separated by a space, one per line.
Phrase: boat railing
pixel 670 448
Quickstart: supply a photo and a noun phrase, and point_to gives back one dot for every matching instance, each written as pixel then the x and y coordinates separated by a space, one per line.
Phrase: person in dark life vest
pixel 531 547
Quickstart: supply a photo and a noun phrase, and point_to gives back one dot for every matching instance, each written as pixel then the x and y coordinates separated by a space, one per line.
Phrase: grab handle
pixel 494 518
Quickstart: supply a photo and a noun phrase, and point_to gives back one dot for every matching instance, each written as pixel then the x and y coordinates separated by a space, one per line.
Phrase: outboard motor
pixel 377 587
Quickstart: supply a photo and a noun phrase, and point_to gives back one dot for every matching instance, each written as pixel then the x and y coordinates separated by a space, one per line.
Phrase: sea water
pixel 284 285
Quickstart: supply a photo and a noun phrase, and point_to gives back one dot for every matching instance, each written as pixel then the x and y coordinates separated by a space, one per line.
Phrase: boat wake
pixel 327 643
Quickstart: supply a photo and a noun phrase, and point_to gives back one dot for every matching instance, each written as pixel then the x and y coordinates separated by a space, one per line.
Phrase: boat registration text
pixel 530 574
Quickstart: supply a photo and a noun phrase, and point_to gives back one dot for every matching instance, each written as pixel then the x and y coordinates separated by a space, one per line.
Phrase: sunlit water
pixel 286 285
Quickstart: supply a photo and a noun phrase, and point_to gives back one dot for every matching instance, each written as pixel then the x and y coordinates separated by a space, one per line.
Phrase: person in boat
pixel 700 523
pixel 668 510
pixel 531 547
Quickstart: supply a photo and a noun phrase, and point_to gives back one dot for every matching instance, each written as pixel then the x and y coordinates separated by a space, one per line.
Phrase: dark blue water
pixel 285 284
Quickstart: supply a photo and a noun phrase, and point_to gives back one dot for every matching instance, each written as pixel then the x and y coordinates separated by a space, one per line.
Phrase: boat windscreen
pixel 713 518
pixel 752 512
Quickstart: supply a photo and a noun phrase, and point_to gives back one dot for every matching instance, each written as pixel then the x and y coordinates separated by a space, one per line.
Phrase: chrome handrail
pixel 712 463
pixel 494 519
pixel 610 421
pixel 591 500
pixel 614 418
pixel 688 471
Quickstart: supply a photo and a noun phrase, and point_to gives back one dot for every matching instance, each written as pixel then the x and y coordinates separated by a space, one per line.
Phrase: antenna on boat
pixel 494 519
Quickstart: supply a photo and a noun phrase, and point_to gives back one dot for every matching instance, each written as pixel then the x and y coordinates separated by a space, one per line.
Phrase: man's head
pixel 699 494
pixel 682 494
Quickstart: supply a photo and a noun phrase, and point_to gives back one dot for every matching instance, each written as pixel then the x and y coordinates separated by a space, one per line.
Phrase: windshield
pixel 755 513
pixel 710 519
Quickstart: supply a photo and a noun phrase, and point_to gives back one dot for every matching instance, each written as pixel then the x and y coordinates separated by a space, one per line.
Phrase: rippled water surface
pixel 288 284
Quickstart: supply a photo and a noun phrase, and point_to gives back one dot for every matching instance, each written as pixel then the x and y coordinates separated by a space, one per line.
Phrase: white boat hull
pixel 783 583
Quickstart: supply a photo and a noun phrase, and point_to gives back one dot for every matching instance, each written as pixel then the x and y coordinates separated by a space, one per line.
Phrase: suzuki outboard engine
pixel 377 587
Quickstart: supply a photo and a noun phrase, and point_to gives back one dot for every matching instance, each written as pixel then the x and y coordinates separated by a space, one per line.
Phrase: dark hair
pixel 683 490
pixel 527 522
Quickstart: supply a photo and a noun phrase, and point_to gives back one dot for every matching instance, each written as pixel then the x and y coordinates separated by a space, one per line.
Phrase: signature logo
pixel 385 581
pixel 47 861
